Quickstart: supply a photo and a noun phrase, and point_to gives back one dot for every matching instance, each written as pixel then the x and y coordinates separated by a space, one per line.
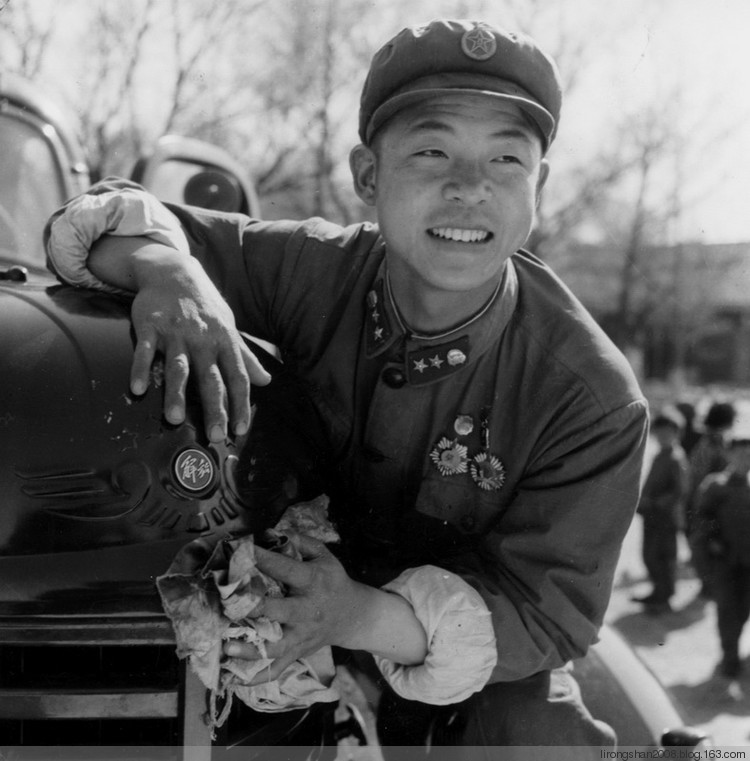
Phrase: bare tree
pixel 24 38
pixel 146 68
pixel 650 140
pixel 115 47
pixel 197 32
pixel 301 115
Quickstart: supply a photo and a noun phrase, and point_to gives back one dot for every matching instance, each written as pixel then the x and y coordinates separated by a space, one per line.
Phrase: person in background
pixel 488 437
pixel 723 531
pixel 690 435
pixel 661 506
pixel 709 455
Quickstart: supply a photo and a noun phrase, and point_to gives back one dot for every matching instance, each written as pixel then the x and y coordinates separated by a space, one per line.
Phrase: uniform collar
pixel 431 358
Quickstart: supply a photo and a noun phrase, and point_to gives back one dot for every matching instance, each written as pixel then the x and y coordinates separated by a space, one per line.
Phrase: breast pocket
pixel 459 501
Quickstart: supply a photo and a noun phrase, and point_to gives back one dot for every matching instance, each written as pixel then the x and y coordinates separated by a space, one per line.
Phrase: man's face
pixel 455 181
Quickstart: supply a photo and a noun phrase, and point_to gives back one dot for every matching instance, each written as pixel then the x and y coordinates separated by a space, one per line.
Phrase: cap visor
pixel 539 115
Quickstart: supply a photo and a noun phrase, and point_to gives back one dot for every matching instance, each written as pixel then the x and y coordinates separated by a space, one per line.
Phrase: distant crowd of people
pixel 699 483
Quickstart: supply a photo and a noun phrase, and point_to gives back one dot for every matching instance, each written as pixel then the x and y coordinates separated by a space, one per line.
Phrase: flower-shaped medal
pixel 450 457
pixel 486 469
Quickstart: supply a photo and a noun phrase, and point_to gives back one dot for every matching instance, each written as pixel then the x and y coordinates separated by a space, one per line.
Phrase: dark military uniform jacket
pixel 508 450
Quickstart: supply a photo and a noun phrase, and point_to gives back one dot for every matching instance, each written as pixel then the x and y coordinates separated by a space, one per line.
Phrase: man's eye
pixel 507 158
pixel 432 153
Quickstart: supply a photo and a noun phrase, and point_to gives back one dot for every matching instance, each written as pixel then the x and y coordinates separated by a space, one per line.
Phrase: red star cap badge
pixel 479 44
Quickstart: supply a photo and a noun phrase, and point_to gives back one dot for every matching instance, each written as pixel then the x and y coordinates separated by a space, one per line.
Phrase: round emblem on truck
pixel 194 470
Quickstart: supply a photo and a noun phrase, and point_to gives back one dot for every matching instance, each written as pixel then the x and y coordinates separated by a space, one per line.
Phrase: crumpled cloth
pixel 209 594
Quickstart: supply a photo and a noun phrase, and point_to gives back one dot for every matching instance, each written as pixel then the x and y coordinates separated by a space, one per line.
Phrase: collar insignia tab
pixel 431 363
pixel 377 324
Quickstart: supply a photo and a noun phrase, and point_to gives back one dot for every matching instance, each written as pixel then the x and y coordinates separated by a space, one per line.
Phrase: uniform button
pixel 394 377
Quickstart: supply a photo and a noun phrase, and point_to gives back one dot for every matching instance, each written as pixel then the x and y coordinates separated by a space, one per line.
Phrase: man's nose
pixel 468 184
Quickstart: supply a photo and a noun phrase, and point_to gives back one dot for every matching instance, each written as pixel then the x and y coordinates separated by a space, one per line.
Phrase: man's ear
pixel 363 164
pixel 543 174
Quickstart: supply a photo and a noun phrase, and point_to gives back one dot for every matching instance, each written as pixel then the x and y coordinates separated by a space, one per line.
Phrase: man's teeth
pixel 457 234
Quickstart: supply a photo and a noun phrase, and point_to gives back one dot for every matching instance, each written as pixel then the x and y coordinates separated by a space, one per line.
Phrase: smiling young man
pixel 486 435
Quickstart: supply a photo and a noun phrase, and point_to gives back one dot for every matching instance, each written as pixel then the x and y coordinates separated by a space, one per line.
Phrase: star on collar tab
pixel 378 327
pixel 431 363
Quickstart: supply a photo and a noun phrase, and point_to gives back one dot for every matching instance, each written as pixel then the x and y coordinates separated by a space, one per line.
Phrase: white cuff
pixel 460 636
pixel 125 212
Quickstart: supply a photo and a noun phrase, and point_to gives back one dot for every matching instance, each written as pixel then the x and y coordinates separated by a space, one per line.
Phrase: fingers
pixel 275 670
pixel 225 391
pixel 213 396
pixel 239 378
pixel 281 568
pixel 236 649
pixel 308 547
pixel 143 358
pixel 223 383
pixel 185 317
pixel 296 574
pixel 286 610
pixel 176 372
pixel 259 376
pixel 282 656
pixel 245 370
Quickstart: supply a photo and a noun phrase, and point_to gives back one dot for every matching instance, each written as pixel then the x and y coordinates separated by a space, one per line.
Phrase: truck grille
pixel 79 682
pixel 89 695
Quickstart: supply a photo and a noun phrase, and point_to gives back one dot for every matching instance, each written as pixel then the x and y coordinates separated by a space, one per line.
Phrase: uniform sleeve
pixel 122 208
pixel 462 651
pixel 258 266
pixel 111 207
pixel 546 568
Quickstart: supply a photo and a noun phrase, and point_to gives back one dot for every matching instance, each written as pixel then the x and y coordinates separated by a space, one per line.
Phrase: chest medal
pixel 452 458
pixel 487 471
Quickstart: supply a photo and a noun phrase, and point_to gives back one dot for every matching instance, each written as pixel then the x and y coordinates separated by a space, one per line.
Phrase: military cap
pixel 447 56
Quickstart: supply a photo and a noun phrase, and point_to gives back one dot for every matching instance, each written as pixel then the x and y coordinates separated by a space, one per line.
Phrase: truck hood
pixel 97 490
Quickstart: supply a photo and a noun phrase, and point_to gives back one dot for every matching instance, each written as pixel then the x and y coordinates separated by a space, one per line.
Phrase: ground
pixel 682 648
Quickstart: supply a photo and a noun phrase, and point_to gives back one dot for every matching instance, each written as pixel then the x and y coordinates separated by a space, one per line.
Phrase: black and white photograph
pixel 374 380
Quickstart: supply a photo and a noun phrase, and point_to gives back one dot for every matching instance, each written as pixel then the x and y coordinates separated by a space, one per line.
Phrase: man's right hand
pixel 178 312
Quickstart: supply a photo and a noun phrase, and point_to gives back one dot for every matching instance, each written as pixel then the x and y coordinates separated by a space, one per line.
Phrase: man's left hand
pixel 323 605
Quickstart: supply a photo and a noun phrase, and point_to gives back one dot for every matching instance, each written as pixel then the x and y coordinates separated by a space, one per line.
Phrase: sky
pixel 709 41
pixel 705 45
